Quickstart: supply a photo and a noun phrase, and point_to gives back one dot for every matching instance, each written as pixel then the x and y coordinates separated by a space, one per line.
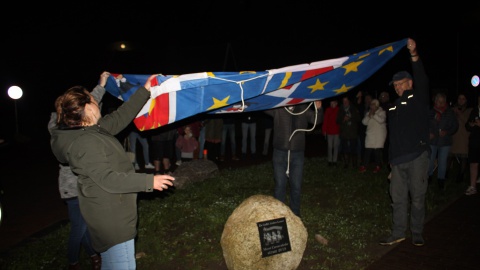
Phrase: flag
pixel 176 97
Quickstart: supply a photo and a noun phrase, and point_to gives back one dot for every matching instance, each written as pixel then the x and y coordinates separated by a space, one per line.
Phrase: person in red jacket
pixel 331 130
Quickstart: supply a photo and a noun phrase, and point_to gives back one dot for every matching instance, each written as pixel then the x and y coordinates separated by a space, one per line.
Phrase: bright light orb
pixel 15 92
pixel 475 81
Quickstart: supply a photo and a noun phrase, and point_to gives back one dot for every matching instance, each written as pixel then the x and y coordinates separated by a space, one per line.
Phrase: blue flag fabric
pixel 176 97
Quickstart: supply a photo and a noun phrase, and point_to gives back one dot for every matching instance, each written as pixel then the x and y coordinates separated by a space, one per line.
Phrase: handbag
pixel 128 150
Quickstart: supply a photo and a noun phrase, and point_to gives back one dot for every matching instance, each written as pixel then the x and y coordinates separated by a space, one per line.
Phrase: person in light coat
pixel 376 134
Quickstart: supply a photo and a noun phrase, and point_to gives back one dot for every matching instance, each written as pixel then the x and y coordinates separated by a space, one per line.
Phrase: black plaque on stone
pixel 274 237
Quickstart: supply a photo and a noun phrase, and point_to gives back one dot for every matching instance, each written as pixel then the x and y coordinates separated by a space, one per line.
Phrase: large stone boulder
pixel 196 170
pixel 244 239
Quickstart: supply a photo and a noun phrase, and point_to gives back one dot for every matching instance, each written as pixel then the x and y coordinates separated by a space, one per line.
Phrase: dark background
pixel 49 48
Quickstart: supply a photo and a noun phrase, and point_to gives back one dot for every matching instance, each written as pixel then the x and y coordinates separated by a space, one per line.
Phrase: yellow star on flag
pixel 353 66
pixel 218 103
pixel 342 89
pixel 317 86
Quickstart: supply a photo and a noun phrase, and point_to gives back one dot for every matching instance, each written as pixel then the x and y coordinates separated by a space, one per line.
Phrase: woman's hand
pixel 103 78
pixel 148 84
pixel 162 181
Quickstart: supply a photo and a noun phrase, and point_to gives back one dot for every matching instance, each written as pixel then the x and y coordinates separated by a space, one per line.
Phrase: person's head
pixel 461 100
pixel 374 104
pixel 384 97
pixel 77 107
pixel 367 99
pixel 402 81
pixel 346 102
pixel 440 100
pixel 333 103
pixel 187 130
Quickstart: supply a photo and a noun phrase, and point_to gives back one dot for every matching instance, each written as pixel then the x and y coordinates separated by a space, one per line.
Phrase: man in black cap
pixel 409 150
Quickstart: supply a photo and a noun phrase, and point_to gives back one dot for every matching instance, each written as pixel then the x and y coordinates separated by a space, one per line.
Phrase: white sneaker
pixel 137 167
pixel 178 163
pixel 149 166
pixel 471 190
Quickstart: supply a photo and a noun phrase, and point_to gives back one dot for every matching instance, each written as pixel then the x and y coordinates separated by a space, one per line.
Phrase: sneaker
pixel 471 190
pixel 391 240
pixel 136 167
pixel 377 169
pixel 362 169
pixel 149 166
pixel 178 163
pixel 417 239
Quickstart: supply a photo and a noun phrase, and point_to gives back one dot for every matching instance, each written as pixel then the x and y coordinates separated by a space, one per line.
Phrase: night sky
pixel 47 49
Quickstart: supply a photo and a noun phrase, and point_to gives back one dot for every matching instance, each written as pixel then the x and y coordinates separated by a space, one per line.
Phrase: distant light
pixel 15 92
pixel 123 46
pixel 475 81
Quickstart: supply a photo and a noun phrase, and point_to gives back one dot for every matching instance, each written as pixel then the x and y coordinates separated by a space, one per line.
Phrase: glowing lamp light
pixel 15 92
pixel 475 81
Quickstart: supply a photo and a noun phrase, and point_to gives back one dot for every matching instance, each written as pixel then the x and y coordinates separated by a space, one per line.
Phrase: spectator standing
pixel 67 185
pixel 443 124
pixel 363 105
pixel 268 126
pixel 331 131
pixel 459 149
pixel 473 126
pixel 289 126
pixel 409 150
pixel 249 127
pixel 376 133
pixel 228 129
pixel 348 118
pixel 187 144
pixel 142 138
pixel 107 181
pixel 163 148
pixel 213 137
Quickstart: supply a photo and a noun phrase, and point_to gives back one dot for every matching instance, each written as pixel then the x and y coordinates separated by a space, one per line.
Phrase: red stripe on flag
pixel 314 72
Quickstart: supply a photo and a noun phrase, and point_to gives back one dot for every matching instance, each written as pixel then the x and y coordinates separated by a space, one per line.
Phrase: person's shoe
pixel 137 167
pixel 377 169
pixel 149 166
pixel 417 239
pixel 362 169
pixel 471 190
pixel 222 158
pixel 178 163
pixel 75 266
pixel 235 158
pixel 391 240
pixel 96 261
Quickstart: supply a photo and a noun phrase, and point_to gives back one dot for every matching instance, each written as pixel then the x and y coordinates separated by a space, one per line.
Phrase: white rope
pixel 300 129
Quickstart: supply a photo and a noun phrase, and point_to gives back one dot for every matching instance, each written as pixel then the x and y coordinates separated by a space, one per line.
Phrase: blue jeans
pixel 201 142
pixel 133 137
pixel 230 129
pixel 78 232
pixel 294 177
pixel 252 127
pixel 442 158
pixel 121 256
pixel 409 178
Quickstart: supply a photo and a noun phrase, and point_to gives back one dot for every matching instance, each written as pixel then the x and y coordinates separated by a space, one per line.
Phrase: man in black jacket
pixel 409 150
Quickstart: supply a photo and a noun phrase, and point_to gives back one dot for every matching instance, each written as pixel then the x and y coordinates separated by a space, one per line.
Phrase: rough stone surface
pixel 241 242
pixel 196 170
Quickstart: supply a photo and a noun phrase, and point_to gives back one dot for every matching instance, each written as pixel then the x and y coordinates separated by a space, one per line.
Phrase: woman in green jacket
pixel 107 181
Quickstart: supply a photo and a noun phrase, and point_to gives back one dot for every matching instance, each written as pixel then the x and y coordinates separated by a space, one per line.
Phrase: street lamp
pixel 15 93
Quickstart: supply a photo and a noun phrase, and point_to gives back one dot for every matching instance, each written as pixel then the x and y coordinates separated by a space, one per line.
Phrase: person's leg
pixel 266 141
pixel 253 141
pixel 399 196
pixel 279 160
pixel 132 139
pixel 366 159
pixel 146 152
pixel 336 148
pixel 377 155
pixel 224 140
pixel 418 184
pixel 244 139
pixel 201 143
pixel 442 161
pixel 78 229
pixel 433 158
pixel 233 143
pixel 295 179
pixel 121 256
pixel 330 142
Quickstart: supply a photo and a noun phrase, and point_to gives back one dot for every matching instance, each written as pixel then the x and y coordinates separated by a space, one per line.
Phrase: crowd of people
pixel 415 137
